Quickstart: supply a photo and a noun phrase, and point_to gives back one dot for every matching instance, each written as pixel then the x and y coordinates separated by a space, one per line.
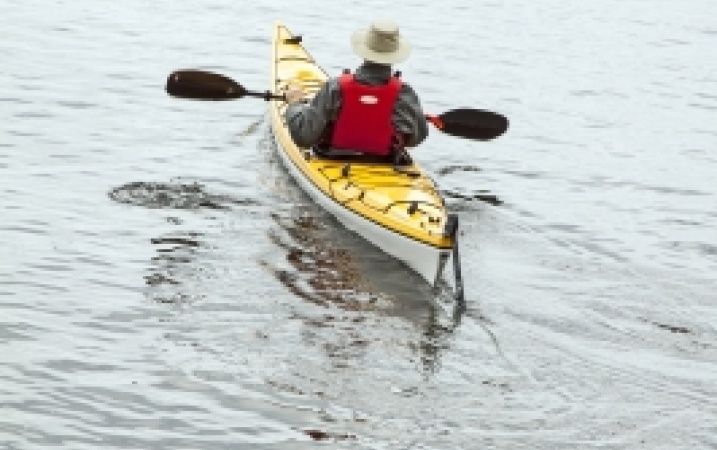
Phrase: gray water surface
pixel 165 285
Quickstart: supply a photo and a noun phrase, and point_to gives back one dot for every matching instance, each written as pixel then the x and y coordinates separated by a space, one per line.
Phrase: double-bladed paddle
pixel 466 123
pixel 201 85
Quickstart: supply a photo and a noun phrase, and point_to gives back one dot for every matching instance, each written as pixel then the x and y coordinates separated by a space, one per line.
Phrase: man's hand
pixel 294 93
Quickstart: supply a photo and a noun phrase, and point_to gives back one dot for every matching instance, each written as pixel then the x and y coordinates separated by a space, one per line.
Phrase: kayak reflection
pixel 363 296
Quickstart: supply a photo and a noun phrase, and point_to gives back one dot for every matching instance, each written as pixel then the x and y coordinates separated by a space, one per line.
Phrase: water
pixel 164 285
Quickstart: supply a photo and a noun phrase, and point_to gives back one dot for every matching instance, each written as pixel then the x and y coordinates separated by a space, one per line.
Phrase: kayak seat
pixel 399 158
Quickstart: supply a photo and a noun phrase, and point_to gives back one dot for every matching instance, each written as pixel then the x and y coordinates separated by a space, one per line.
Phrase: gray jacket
pixel 307 122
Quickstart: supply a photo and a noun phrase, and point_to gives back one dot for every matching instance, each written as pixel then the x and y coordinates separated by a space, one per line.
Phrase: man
pixel 371 111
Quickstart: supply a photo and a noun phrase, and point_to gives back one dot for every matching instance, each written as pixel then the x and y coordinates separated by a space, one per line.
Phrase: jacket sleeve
pixel 307 122
pixel 408 116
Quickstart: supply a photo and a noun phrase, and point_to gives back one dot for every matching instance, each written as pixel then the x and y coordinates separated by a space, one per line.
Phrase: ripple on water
pixel 229 313
pixel 175 269
pixel 191 196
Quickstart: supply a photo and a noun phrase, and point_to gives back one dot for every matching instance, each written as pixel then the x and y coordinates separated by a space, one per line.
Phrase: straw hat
pixel 381 43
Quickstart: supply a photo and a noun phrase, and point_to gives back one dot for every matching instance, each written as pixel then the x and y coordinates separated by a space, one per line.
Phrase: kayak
pixel 396 208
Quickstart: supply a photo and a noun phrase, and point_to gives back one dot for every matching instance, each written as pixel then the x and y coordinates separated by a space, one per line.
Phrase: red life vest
pixel 365 118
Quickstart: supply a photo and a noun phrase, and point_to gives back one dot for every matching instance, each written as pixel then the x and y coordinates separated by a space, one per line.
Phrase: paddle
pixel 201 85
pixel 470 123
pixel 466 123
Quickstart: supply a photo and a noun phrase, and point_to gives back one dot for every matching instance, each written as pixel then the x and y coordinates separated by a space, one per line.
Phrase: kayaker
pixel 353 111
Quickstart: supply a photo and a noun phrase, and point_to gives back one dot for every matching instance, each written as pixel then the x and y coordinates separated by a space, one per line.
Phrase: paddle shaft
pixel 267 95
pixel 465 123
pixel 436 121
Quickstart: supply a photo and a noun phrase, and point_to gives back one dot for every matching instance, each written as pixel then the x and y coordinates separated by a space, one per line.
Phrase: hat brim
pixel 358 41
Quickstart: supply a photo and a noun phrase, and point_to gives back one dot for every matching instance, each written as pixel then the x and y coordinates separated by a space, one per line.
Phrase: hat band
pixel 382 42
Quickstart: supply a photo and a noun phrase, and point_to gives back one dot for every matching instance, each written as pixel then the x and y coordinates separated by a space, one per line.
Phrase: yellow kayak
pixel 398 209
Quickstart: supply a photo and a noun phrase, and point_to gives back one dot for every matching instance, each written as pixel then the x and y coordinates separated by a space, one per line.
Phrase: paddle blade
pixel 201 85
pixel 472 124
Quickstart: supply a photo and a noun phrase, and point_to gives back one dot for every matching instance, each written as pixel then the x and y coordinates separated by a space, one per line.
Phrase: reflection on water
pixel 174 269
pixel 436 338
pixel 328 267
pixel 321 273
pixel 173 266
pixel 166 317
pixel 354 286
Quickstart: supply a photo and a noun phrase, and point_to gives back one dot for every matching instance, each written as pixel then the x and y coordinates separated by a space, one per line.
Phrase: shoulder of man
pixel 328 98
pixel 406 87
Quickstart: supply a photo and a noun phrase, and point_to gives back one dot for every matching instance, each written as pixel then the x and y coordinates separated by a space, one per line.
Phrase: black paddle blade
pixel 472 124
pixel 201 85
